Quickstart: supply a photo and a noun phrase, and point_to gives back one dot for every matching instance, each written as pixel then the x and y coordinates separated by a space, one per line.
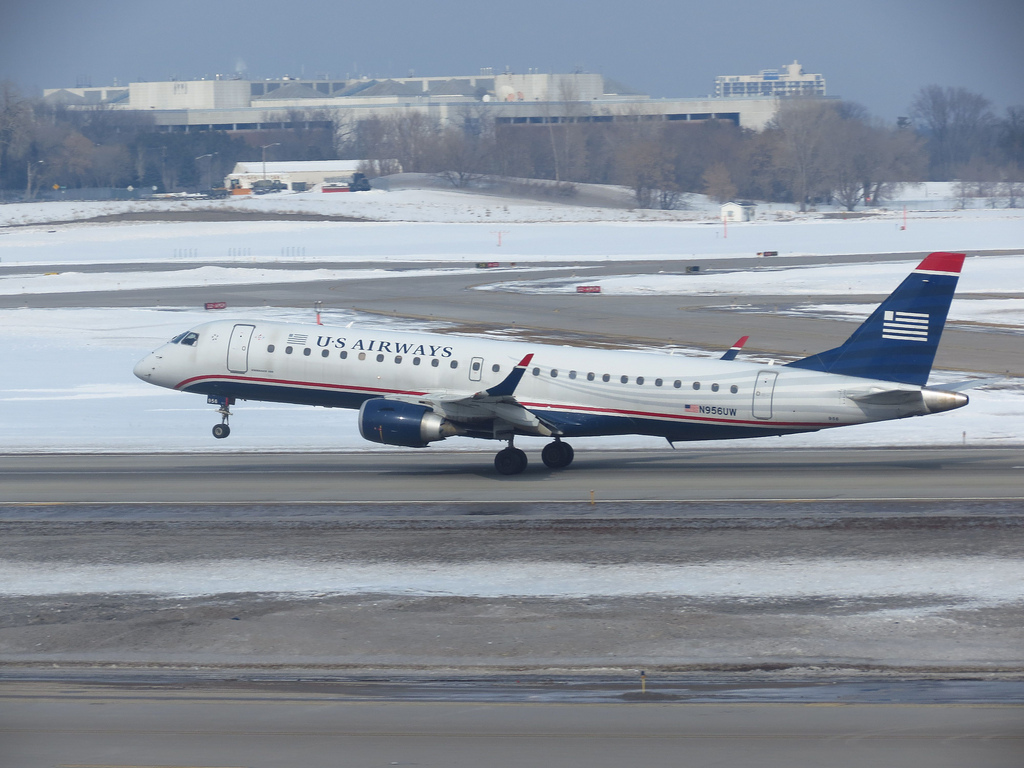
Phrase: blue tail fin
pixel 898 341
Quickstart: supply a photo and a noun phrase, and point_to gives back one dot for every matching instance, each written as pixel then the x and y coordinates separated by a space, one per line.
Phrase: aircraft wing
pixel 497 402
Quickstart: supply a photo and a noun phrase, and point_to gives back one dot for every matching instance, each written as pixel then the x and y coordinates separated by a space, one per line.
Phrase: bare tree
pixel 718 183
pixel 645 165
pixel 957 124
pixel 804 151
pixel 462 157
pixel 111 166
pixel 15 121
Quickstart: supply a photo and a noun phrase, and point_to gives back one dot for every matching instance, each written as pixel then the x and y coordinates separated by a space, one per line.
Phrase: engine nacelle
pixel 393 422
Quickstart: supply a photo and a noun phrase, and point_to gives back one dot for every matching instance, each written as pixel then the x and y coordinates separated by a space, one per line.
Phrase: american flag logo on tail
pixel 905 326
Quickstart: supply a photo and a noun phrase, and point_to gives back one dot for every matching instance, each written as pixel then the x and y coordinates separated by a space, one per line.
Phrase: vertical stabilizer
pixel 898 341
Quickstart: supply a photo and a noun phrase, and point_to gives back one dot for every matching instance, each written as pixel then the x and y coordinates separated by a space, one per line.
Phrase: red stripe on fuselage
pixel 542 406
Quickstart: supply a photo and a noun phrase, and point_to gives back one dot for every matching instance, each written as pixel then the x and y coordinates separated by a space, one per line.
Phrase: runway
pixel 431 476
pixel 115 726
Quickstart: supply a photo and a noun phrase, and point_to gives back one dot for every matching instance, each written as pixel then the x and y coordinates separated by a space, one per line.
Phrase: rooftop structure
pixel 252 105
pixel 790 80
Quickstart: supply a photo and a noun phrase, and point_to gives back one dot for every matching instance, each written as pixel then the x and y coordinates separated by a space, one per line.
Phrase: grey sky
pixel 873 52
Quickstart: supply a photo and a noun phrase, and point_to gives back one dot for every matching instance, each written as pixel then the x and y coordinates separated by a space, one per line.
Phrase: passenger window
pixel 658 382
pixel 362 355
pixel 455 363
pixel 495 367
pixel 435 362
pixel 325 353
pixel 415 361
pixel 536 371
pixel 288 350
pixel 677 383
pixel 476 365
pixel 380 358
pixel 734 389
pixel 398 359
pixel 639 379
pixel 714 387
pixel 554 373
pixel 606 377
pixel 343 354
pixel 590 377
pixel 696 385
pixel 572 374
pixel 306 351
pixel 270 348
pixel 624 379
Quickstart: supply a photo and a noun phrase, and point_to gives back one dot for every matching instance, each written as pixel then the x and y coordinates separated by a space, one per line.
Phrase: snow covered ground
pixel 67 382
pixel 977 580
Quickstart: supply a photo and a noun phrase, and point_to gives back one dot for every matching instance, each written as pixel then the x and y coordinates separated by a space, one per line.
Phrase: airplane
pixel 413 389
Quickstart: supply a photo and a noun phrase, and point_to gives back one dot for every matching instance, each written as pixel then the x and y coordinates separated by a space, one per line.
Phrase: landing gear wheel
pixel 221 431
pixel 557 455
pixel 510 461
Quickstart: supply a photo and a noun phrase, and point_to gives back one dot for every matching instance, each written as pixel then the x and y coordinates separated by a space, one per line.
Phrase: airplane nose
pixel 145 367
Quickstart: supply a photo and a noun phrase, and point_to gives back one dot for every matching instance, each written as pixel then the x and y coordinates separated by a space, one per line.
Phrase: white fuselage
pixel 581 391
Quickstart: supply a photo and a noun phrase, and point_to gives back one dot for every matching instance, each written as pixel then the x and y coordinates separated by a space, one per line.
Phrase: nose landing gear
pixel 222 430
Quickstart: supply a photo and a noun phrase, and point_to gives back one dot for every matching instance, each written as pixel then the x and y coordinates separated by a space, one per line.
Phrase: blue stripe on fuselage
pixel 569 423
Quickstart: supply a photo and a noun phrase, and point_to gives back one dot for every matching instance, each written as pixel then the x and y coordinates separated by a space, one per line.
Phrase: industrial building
pixel 230 104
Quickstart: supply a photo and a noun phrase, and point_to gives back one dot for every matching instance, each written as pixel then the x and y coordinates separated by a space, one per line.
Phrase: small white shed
pixel 733 211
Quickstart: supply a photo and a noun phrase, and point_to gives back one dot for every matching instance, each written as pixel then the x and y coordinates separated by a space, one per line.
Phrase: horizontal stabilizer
pixel 963 386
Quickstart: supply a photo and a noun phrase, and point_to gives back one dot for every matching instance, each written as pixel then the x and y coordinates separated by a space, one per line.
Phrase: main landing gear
pixel 557 455
pixel 512 461
pixel 222 430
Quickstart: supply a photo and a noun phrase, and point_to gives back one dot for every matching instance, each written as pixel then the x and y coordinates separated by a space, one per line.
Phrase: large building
pixel 230 104
pixel 789 80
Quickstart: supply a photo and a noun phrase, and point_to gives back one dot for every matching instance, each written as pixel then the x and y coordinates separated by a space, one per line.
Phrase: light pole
pixel 209 155
pixel 264 148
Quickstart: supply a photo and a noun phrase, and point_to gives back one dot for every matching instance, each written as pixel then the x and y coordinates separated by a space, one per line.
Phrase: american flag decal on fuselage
pixel 905 326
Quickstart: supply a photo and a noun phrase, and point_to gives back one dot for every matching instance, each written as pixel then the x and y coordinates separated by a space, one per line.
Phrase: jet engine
pixel 393 422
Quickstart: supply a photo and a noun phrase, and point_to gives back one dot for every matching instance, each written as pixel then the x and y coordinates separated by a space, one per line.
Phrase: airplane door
pixel 763 391
pixel 238 348
pixel 476 367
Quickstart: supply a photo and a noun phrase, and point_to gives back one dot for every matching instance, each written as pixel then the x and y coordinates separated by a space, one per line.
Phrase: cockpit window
pixel 188 338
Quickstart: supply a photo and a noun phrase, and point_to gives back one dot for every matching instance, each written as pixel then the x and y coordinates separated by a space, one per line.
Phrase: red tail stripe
pixel 943 262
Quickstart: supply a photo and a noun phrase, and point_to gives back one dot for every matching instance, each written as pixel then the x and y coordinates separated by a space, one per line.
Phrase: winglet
pixel 735 349
pixel 508 387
